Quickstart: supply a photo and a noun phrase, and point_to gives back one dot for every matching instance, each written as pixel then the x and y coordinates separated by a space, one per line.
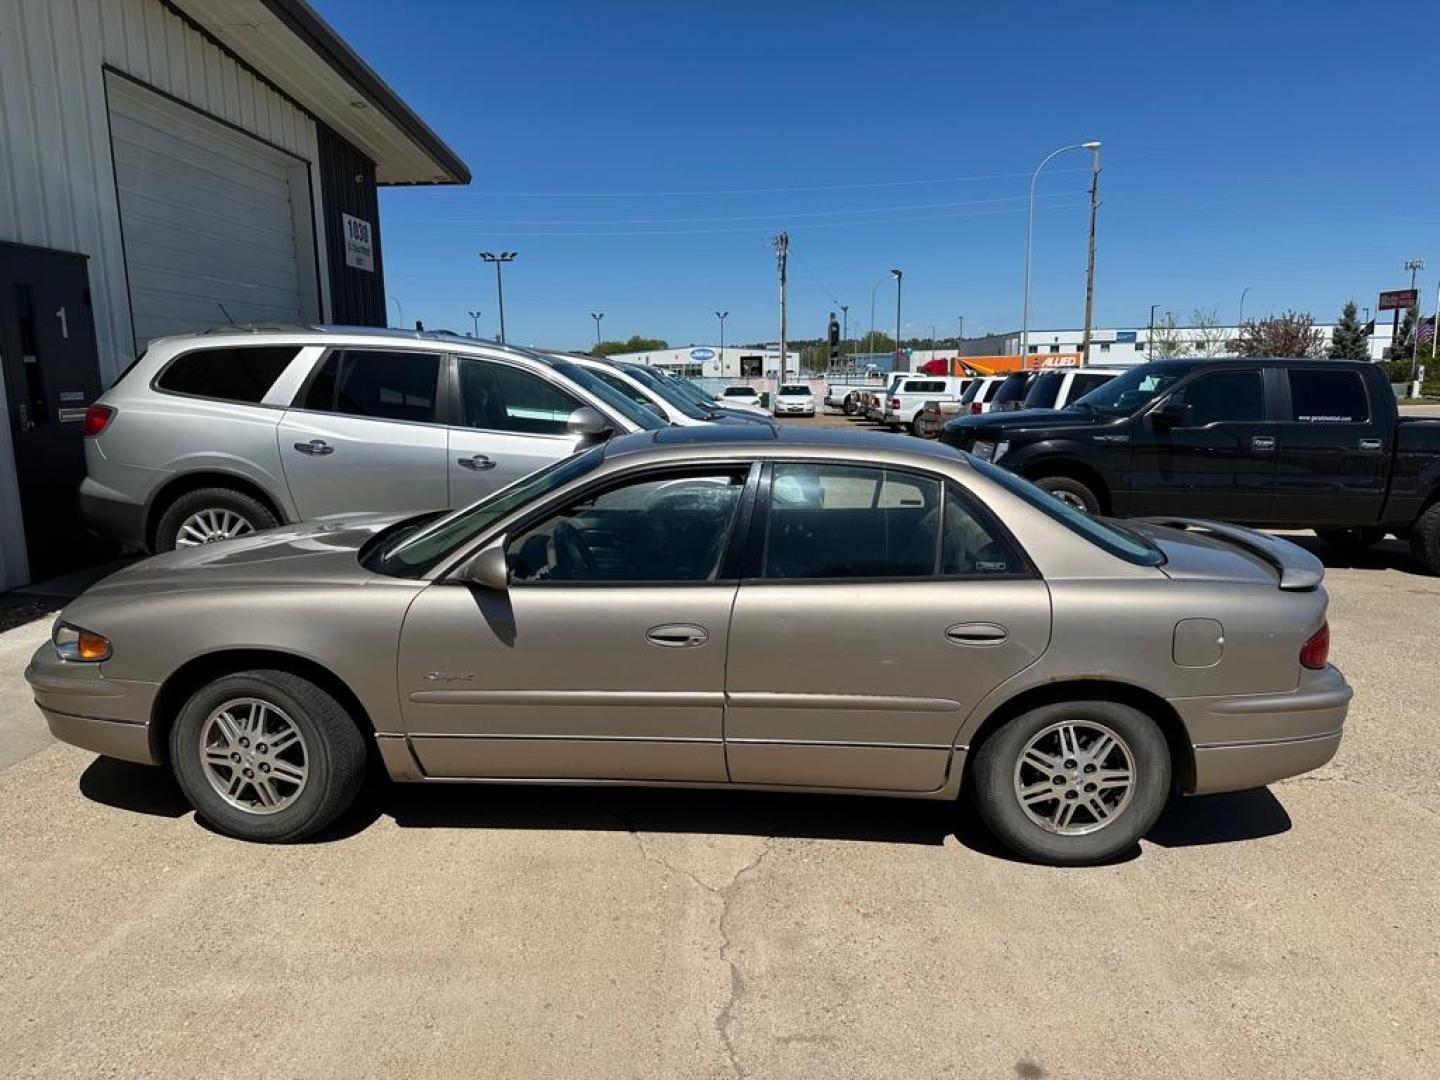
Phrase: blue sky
pixel 639 155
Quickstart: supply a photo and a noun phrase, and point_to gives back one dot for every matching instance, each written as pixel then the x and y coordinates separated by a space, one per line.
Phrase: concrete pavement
pixel 517 932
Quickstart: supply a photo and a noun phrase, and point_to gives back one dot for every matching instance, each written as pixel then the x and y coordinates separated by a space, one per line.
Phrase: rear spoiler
pixel 1299 570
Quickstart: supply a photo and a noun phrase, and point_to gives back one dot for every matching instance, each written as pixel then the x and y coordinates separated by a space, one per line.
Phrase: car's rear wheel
pixel 210 514
pixel 1356 539
pixel 1425 539
pixel 1072 783
pixel 1071 492
pixel 267 756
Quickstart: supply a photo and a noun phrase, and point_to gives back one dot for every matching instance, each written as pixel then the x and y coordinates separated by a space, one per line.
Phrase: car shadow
pixel 1186 822
pixel 1388 554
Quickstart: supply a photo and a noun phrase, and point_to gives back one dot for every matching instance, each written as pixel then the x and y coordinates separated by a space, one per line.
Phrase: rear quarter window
pixel 241 374
pixel 1328 397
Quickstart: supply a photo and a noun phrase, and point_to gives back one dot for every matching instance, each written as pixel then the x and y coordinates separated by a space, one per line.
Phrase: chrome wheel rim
pixel 1075 777
pixel 1069 498
pixel 208 526
pixel 254 756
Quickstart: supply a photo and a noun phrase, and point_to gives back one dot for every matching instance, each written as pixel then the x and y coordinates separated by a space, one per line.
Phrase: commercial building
pixel 167 166
pixel 713 361
pixel 1122 345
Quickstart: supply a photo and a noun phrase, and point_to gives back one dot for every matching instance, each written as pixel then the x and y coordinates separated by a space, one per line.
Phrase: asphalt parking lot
pixel 516 932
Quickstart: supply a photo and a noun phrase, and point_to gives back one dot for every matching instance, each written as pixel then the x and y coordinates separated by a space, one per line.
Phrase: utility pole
pixel 499 259
pixel 961 320
pixel 1090 260
pixel 722 316
pixel 899 275
pixel 782 256
pixel 475 321
pixel 1414 266
pixel 1150 341
pixel 597 316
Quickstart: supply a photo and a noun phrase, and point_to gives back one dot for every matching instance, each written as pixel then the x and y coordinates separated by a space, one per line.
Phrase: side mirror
pixel 488 568
pixel 590 425
pixel 1171 414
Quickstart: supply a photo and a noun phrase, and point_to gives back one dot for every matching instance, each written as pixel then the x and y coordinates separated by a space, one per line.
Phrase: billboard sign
pixel 1399 299
pixel 701 355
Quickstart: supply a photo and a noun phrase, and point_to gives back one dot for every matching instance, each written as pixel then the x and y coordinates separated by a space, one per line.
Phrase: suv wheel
pixel 1071 492
pixel 208 515
pixel 1072 783
pixel 267 756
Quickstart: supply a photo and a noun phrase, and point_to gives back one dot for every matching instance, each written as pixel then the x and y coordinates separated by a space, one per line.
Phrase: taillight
pixel 1316 651
pixel 894 404
pixel 974 408
pixel 97 419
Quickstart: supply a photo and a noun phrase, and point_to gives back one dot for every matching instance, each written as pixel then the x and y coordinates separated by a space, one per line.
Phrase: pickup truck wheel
pixel 1071 492
pixel 1356 540
pixel 849 407
pixel 208 515
pixel 1425 539
pixel 1074 782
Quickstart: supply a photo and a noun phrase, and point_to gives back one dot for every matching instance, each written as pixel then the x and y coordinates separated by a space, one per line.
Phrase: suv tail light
pixel 97 419
pixel 894 404
pixel 1316 651
pixel 975 408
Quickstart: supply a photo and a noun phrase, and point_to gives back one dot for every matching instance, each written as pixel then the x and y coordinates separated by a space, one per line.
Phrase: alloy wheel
pixel 208 526
pixel 254 755
pixel 1075 777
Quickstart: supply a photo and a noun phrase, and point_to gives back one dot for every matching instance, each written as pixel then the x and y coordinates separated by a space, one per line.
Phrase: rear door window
pixel 241 374
pixel 837 521
pixel 1328 397
pixel 381 383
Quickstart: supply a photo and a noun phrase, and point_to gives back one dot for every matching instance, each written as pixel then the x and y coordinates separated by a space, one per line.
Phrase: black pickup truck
pixel 1278 443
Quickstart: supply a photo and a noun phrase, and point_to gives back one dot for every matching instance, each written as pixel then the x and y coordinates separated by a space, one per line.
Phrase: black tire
pixel 993 787
pixel 1070 490
pixel 849 407
pixel 220 499
pixel 1354 540
pixel 1425 539
pixel 334 755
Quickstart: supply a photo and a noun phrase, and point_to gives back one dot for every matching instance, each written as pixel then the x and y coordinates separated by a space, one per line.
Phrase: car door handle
pixel 476 463
pixel 315 448
pixel 678 636
pixel 1370 446
pixel 976 633
pixel 1262 442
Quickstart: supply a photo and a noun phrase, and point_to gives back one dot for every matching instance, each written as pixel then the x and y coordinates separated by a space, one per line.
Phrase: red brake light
pixel 97 419
pixel 894 404
pixel 974 408
pixel 1316 651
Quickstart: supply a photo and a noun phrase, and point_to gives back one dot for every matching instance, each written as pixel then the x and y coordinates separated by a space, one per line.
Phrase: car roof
pixel 716 440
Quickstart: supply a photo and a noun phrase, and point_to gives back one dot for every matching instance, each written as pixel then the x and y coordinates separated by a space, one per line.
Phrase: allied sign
pixel 359 243
pixel 1399 299
pixel 701 355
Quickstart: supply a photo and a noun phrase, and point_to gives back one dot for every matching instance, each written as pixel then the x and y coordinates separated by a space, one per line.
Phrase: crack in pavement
pixel 725 1019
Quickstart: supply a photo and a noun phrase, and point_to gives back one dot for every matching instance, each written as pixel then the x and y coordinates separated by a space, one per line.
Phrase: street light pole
pixel 899 276
pixel 475 322
pixel 499 259
pixel 873 289
pixel 1241 321
pixel 1090 258
pixel 1029 241
pixel 597 316
pixel 722 315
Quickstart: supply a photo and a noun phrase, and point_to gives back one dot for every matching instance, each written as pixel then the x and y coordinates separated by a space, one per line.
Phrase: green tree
pixel 1291 334
pixel 877 341
pixel 1403 347
pixel 1348 342
pixel 636 343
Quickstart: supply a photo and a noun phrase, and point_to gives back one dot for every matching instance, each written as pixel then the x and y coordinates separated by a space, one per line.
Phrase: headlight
pixel 85 646
pixel 1000 448
pixel 985 451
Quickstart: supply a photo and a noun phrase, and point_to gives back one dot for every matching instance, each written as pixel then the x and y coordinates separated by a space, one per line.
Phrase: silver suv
pixel 213 435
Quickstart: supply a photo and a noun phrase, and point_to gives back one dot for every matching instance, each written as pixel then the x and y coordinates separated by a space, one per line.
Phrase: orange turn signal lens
pixel 93 646
pixel 73 643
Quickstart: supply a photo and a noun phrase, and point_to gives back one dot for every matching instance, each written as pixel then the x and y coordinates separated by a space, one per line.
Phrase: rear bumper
pixel 109 513
pixel 1246 742
pixel 85 709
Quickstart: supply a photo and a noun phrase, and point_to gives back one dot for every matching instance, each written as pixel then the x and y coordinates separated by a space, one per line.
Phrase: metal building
pixel 167 166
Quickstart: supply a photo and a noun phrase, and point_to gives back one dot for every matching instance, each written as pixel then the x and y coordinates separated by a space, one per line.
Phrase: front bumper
pixel 84 708
pixel 1250 741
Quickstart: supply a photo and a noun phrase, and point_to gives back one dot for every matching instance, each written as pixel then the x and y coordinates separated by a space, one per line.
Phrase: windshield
pixel 415 553
pixel 669 389
pixel 643 418
pixel 1126 394
pixel 1044 390
pixel 795 391
pixel 689 390
pixel 1101 532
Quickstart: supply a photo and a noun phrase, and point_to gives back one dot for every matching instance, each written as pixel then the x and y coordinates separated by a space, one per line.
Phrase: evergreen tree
pixel 1348 340
pixel 1404 345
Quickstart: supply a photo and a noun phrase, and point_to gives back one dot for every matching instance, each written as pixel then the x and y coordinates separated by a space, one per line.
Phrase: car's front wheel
pixel 267 755
pixel 1071 492
pixel 1072 783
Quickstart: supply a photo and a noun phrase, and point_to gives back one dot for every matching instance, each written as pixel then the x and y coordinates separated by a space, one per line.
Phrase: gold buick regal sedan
pixel 809 611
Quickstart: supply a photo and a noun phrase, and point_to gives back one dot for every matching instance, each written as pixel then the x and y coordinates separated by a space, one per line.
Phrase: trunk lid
pixel 1214 551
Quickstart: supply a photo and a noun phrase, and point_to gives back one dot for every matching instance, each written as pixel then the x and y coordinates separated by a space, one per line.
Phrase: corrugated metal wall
pixel 57 185
pixel 347 183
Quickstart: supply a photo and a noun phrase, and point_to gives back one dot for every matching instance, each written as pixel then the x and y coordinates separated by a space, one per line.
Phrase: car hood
pixel 1028 420
pixel 1212 551
pixel 315 553
pixel 738 416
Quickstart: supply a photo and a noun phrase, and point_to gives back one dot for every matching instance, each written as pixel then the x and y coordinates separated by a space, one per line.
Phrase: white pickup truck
pixel 906 396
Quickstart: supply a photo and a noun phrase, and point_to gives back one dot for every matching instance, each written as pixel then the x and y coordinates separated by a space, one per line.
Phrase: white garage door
pixel 217 224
